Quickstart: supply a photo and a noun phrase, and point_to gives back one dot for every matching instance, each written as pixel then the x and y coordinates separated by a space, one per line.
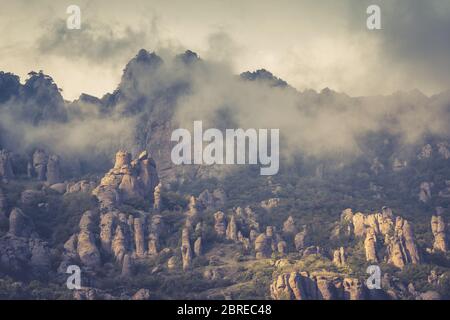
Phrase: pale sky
pixel 310 44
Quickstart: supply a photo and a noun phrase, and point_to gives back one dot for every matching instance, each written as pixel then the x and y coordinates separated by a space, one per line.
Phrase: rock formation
pixel 220 225
pixel 128 179
pixel 40 164
pixel 289 226
pixel 302 286
pixel 262 247
pixel 425 191
pixel 6 172
pixel 339 258
pixel 378 230
pixel 21 250
pixel 370 245
pixel 53 170
pixel 198 247
pixel 438 227
pixel 186 251
pixel 86 246
pixel 232 229
pixel 157 198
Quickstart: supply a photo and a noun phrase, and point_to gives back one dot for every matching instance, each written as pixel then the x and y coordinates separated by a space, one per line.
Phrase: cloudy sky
pixel 309 43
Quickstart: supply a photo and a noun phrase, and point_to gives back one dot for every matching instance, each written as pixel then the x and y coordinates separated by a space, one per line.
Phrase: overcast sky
pixel 311 44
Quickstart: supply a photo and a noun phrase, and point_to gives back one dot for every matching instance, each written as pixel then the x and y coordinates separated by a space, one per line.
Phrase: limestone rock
pixel 128 179
pixel 40 160
pixel 127 266
pixel 302 286
pixel 6 172
pixel 186 251
pixel 139 237
pixel 53 170
pixel 157 198
pixel 425 191
pixel 141 294
pixel 339 258
pixel 20 225
pixel 289 226
pixel 262 247
pixel 86 247
pixel 402 248
pixel 198 248
pixel 300 239
pixel 370 245
pixel 119 244
pixel 438 227
pixel 232 229
pixel 220 225
pixel 107 228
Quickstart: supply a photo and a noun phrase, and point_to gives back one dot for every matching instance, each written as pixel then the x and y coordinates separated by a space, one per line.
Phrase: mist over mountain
pixel 156 96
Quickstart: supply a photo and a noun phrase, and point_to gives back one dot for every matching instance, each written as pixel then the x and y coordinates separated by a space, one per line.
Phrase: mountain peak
pixel 264 76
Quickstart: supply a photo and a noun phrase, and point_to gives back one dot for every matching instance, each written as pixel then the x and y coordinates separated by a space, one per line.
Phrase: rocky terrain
pixel 141 228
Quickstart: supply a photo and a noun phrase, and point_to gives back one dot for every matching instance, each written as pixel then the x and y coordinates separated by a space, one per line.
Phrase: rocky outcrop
pixel 53 170
pixel 21 250
pixel 128 179
pixel 370 245
pixel 20 225
pixel 86 247
pixel 402 248
pixel 198 247
pixel 425 191
pixel 379 230
pixel 6 172
pixel 301 239
pixel 186 251
pixel 232 229
pixel 141 294
pixel 220 225
pixel 40 159
pixel 438 227
pixel 289 226
pixel 302 286
pixel 139 237
pixel 263 247
pixel 127 266
pixel 157 198
pixel 339 258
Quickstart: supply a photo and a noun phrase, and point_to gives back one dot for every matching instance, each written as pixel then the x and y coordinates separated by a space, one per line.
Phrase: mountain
pixel 363 182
